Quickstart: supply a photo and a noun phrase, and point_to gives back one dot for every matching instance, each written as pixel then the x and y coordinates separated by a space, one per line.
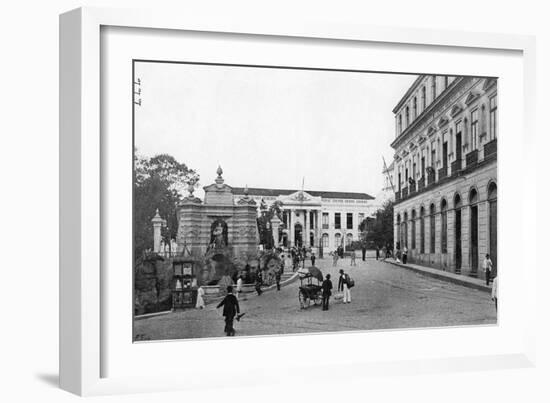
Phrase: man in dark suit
pixel 230 310
pixel 326 287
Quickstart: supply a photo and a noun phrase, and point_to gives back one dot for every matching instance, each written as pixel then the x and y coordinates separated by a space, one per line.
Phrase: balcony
pixel 412 188
pixel 421 184
pixel 431 176
pixel 397 196
pixel 490 149
pixel 443 173
pixel 404 192
pixel 472 158
pixel 456 166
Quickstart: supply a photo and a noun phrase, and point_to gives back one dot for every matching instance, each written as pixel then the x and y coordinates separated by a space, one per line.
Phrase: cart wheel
pixel 304 300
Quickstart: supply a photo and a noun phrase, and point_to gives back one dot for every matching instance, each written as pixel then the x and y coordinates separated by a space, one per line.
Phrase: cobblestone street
pixel 384 297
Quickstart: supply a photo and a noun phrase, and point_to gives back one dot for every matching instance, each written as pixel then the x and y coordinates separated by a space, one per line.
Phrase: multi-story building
pixel 316 218
pixel 446 172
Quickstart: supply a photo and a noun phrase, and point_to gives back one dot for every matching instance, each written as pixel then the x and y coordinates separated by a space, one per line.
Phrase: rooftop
pixel 315 193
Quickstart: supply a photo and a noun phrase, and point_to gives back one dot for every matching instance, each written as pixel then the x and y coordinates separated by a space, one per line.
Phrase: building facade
pixel 445 171
pixel 316 218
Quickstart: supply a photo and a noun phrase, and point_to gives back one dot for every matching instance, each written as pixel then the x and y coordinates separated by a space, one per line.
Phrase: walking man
pixel 377 252
pixel 405 250
pixel 259 282
pixel 230 310
pixel 343 286
pixel 313 258
pixel 352 258
pixel 326 287
pixel 239 286
pixel 488 267
pixel 278 279
pixel 363 251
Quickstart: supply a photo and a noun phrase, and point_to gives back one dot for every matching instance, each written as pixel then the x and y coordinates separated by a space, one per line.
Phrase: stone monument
pixel 221 234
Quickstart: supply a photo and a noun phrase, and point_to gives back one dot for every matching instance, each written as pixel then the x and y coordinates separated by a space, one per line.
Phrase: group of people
pixel 345 283
pixel 299 256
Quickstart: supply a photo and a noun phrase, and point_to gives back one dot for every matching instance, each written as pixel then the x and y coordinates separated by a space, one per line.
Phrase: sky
pixel 270 127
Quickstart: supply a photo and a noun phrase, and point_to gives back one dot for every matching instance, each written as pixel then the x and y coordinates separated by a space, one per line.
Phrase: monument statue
pixel 218 239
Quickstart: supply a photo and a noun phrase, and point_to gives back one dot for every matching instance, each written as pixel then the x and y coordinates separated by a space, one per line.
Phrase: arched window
pixel 413 229
pixel 325 240
pixel 398 237
pixel 337 240
pixel 422 230
pixel 400 123
pixel 407 116
pixel 432 228
pixel 415 108
pixel 405 232
pixel 423 98
pixel 474 255
pixel 443 226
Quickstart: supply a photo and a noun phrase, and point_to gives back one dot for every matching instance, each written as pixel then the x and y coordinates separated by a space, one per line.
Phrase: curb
pixel 441 276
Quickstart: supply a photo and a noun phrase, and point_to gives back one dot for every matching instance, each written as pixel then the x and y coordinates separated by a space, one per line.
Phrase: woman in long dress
pixel 200 300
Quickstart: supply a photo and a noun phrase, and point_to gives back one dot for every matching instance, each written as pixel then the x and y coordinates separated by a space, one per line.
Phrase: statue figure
pixel 218 237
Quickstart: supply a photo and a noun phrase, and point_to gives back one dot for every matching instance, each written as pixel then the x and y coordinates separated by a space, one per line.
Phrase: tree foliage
pixel 159 183
pixel 264 222
pixel 379 231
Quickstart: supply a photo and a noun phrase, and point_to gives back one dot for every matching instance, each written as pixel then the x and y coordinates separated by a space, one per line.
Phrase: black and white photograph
pixel 270 200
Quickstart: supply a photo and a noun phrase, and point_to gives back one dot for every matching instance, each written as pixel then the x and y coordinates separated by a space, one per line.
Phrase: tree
pixel 264 222
pixel 379 230
pixel 159 182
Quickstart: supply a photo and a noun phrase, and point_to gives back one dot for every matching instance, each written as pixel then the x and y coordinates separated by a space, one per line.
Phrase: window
pixel 433 156
pixel 422 230
pixel 413 230
pixel 423 98
pixel 433 89
pixel 349 220
pixel 407 116
pixel 325 240
pixel 444 152
pixel 415 108
pixel 311 220
pixel 474 130
pixel 443 226
pixel 422 165
pixel 337 240
pixel 432 229
pixel 325 220
pixel 414 171
pixel 493 118
pixel 337 221
pixel 399 182
pixel 400 123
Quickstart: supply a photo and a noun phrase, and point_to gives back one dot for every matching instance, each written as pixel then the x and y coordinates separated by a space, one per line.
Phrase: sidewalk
pixel 465 281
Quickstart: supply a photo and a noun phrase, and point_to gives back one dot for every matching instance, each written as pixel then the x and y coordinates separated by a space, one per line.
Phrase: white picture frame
pixel 82 304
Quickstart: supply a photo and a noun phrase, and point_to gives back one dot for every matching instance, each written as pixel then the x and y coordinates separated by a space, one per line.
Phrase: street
pixel 384 297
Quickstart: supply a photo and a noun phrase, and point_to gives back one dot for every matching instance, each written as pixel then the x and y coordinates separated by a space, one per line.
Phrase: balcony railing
pixel 456 166
pixel 397 196
pixel 421 184
pixel 404 192
pixel 412 188
pixel 472 158
pixel 490 148
pixel 431 177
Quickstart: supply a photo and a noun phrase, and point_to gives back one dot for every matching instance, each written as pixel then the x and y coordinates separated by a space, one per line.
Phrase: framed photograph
pixel 257 186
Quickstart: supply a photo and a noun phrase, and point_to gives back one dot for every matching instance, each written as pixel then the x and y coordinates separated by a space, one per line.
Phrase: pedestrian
pixel 377 252
pixel 334 258
pixel 352 258
pixel 405 250
pixel 230 309
pixel 278 280
pixel 488 267
pixel 313 258
pixel 239 286
pixel 363 251
pixel 259 282
pixel 343 287
pixel 327 291
pixel 494 292
pixel 200 298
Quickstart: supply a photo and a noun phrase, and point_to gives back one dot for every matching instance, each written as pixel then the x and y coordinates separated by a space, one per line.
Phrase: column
pixel 306 228
pixel 158 223
pixel 275 224
pixel 291 227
